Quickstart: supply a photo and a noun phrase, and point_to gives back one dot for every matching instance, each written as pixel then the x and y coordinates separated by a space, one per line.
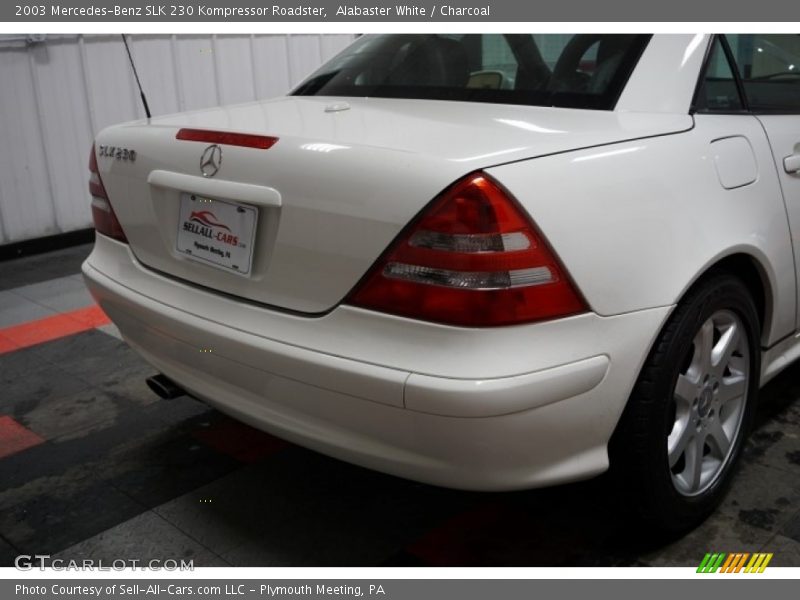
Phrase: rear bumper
pixel 351 384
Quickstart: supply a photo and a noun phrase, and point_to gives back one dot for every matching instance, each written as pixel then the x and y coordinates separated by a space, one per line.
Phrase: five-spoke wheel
pixel 709 400
pixel 684 426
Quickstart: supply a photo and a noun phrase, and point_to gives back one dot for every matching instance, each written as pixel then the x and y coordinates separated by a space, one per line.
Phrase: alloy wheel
pixel 709 401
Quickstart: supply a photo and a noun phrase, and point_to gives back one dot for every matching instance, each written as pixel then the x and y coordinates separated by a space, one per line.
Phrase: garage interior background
pixel 114 472
pixel 66 88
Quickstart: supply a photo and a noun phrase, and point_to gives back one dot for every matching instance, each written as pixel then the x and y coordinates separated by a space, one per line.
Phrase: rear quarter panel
pixel 637 223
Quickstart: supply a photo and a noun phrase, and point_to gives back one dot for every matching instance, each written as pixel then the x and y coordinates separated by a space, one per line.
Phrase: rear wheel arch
pixel 751 272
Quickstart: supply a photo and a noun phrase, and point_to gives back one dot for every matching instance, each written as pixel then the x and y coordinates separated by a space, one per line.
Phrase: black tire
pixel 638 450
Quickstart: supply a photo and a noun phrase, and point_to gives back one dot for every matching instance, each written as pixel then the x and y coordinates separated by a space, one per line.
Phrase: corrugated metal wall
pixel 56 94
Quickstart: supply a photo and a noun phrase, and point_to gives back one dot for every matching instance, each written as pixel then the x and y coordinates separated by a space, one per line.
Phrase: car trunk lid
pixel 321 204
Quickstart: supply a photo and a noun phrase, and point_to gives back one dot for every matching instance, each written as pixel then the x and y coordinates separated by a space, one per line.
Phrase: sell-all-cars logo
pixel 207 218
pixel 735 562
pixel 206 224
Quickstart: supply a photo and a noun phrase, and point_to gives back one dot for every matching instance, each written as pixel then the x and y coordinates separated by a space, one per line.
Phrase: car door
pixel 739 149
pixel 768 69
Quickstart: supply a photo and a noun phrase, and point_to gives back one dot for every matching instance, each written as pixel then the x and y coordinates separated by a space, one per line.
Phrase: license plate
pixel 218 233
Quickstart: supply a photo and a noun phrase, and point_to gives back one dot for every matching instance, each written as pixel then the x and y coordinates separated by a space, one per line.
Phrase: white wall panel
pixel 153 57
pixel 234 68
pixel 305 54
pixel 54 97
pixel 196 72
pixel 66 127
pixel 271 64
pixel 27 208
pixel 111 86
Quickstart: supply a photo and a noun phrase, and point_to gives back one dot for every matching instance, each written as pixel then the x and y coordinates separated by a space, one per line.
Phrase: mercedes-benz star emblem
pixel 211 160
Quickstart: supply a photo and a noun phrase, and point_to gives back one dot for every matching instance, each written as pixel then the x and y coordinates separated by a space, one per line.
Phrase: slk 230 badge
pixel 117 153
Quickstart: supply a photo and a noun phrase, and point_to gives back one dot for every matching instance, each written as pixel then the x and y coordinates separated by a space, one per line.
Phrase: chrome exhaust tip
pixel 164 387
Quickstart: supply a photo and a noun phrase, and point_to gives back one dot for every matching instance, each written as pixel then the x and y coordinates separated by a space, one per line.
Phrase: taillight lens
pixel 105 221
pixel 473 258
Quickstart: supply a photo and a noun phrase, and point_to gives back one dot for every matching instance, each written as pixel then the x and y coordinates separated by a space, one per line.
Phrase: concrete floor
pixel 93 465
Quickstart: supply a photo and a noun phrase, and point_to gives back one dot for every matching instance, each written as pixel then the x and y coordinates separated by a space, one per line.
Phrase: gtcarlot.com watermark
pixel 28 562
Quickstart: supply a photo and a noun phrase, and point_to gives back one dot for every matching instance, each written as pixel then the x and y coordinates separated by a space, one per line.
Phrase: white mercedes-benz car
pixel 488 262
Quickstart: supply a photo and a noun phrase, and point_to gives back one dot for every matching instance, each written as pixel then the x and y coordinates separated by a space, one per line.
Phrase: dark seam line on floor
pixel 170 523
pixel 186 533
pixel 9 543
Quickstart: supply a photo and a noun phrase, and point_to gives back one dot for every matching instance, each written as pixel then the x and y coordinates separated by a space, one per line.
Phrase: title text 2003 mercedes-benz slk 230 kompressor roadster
pixel 488 262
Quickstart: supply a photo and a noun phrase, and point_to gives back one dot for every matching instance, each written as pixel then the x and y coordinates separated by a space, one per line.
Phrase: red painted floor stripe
pixel 51 328
pixel 15 438
pixel 240 441
pixel 460 540
pixel 6 345
pixel 91 316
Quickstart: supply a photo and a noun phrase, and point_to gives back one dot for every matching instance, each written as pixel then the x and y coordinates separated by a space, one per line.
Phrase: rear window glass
pixel 581 71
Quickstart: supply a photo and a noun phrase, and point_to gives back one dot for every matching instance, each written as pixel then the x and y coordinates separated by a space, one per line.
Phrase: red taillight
pixel 262 142
pixel 105 221
pixel 473 258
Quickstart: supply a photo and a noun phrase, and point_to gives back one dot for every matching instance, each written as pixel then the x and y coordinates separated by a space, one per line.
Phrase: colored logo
pixel 207 218
pixel 734 562
pixel 205 224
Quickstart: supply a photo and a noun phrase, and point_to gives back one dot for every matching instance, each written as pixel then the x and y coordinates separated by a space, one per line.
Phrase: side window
pixel 769 67
pixel 717 91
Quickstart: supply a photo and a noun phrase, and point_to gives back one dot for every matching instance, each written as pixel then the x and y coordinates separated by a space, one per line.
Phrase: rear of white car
pixel 459 292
